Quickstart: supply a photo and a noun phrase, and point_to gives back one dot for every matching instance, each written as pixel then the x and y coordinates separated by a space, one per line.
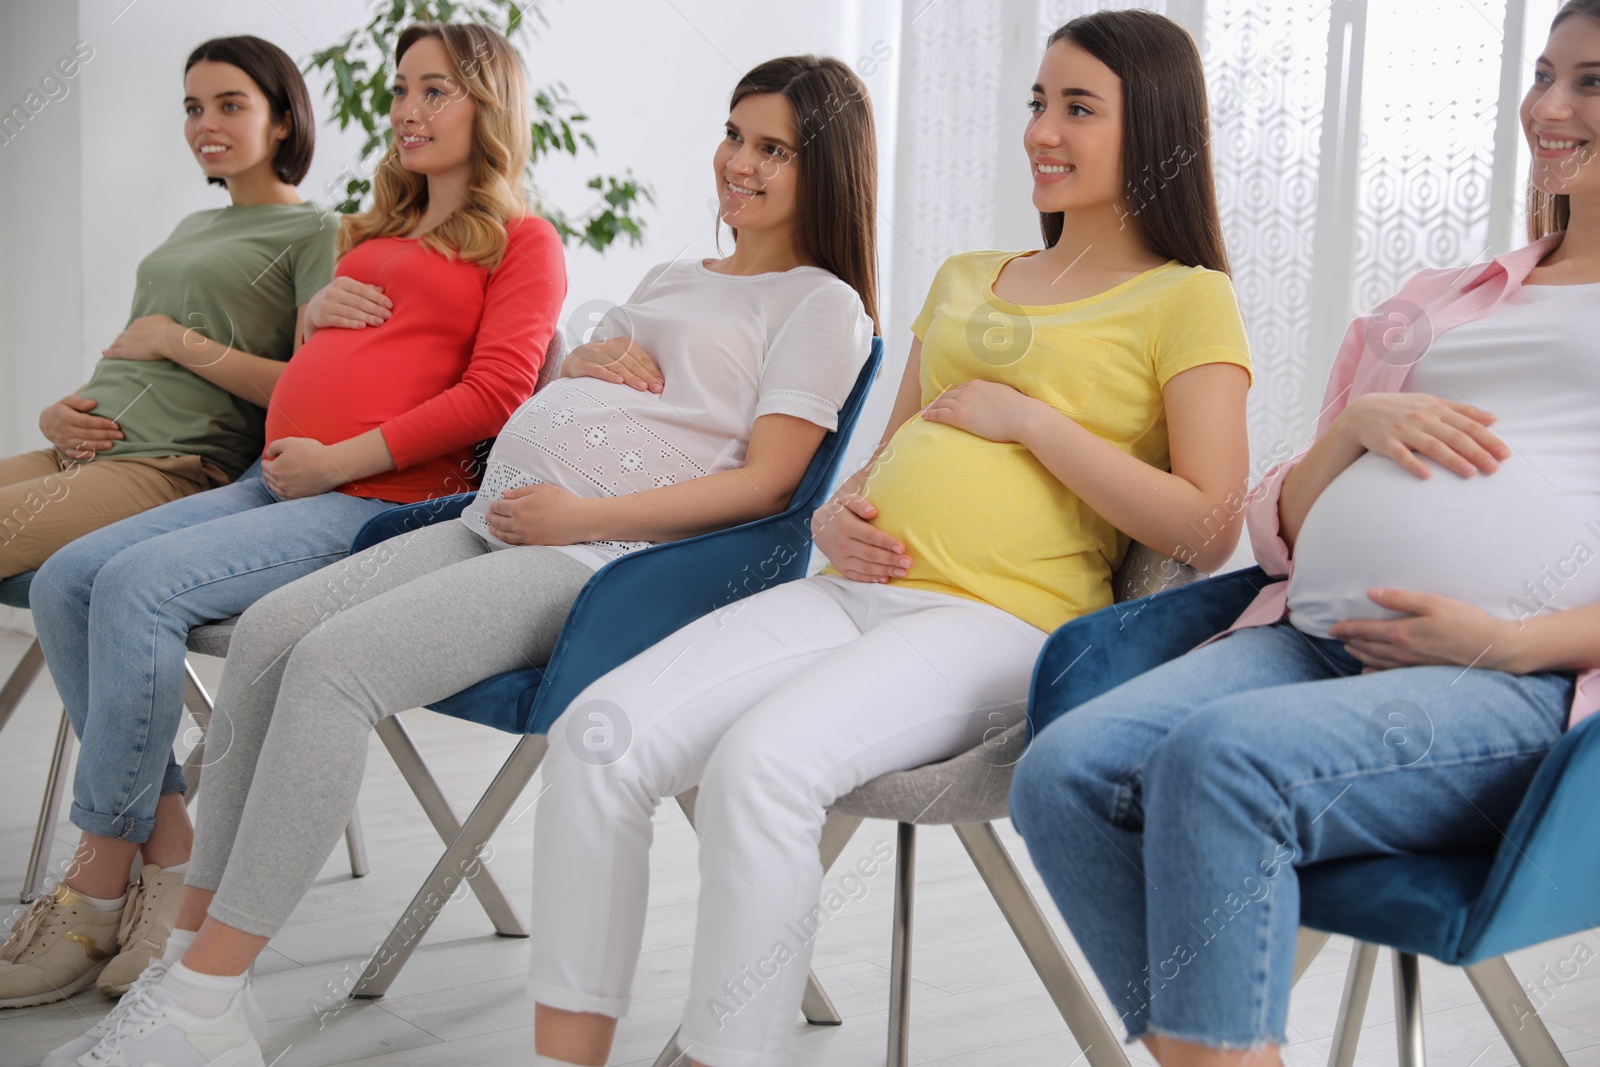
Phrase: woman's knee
pixel 1082 765
pixel 64 581
pixel 142 576
pixel 1215 755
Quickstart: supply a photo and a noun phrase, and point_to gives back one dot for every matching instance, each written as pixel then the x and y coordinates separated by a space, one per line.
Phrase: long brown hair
pixel 279 81
pixel 486 66
pixel 837 199
pixel 1550 212
pixel 1164 128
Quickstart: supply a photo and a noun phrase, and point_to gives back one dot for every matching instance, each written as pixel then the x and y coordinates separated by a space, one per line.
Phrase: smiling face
pixel 756 165
pixel 1561 113
pixel 432 113
pixel 1074 137
pixel 230 128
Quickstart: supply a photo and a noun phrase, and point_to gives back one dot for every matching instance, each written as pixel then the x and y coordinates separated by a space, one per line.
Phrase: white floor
pixel 462 1000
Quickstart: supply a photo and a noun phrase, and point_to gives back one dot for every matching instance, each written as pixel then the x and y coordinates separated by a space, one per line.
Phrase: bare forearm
pixel 361 456
pixel 1557 641
pixel 1152 506
pixel 249 377
pixel 1322 463
pixel 696 506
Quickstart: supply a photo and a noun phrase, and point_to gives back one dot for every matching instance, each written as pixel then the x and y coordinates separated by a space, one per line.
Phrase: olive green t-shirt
pixel 237 276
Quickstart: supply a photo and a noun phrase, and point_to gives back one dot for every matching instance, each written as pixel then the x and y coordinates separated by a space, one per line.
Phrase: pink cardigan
pixel 1435 301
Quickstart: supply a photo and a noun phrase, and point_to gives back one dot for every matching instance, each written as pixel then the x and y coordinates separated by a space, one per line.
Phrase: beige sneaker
pixel 57 947
pixel 153 903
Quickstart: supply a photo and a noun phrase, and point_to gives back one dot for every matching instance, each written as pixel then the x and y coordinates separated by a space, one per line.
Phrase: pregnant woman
pixel 1436 537
pixel 176 406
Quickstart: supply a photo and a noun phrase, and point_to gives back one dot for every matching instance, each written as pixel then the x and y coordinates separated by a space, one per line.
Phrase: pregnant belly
pixel 1508 542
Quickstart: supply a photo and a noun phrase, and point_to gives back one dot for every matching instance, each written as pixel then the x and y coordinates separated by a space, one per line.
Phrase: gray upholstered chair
pixel 969 792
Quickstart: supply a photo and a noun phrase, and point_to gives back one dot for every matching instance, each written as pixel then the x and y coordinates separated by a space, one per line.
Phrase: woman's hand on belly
pixel 989 410
pixel 347 304
pixel 1436 630
pixel 842 530
pixel 1402 425
pixel 543 514
pixel 618 360
pixel 296 467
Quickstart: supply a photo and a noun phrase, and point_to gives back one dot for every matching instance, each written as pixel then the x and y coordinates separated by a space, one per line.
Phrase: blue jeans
pixel 1168 815
pixel 113 610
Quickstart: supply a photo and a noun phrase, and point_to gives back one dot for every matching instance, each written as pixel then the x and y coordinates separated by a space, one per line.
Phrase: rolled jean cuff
pixel 173 781
pixel 1212 1041
pixel 122 827
pixel 563 999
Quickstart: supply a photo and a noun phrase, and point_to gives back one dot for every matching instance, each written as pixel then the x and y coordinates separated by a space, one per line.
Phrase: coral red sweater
pixel 461 351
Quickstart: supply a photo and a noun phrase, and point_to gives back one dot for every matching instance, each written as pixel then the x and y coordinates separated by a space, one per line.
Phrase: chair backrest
pixel 1100 651
pixel 14 590
pixel 1545 882
pixel 554 352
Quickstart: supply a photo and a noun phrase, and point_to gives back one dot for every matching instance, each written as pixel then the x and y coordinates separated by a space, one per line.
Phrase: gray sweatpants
pixel 315 665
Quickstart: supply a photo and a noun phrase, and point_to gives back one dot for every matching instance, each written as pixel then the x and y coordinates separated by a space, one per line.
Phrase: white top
pixel 731 348
pixel 1516 542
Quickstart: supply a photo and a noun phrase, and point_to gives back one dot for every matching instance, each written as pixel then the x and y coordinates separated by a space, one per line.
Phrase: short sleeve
pixel 314 258
pixel 1201 325
pixel 930 305
pixel 816 356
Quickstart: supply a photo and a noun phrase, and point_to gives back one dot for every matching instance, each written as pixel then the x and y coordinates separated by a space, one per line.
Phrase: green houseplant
pixel 360 69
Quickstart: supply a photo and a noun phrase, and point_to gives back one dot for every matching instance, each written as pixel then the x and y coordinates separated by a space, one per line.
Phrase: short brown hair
pixel 279 81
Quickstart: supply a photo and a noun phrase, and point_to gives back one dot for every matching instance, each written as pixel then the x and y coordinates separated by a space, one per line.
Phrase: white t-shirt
pixel 1515 543
pixel 730 348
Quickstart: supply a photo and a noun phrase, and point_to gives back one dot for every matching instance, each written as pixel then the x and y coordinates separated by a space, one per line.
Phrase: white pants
pixel 775 707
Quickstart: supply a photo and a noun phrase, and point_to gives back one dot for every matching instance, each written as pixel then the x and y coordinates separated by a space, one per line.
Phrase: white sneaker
pixel 155 1032
pixel 67 1055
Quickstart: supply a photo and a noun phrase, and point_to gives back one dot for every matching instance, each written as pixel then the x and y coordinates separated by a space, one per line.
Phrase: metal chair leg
pixel 355 844
pixel 1353 1005
pixel 460 859
pixel 1089 1029
pixel 905 877
pixel 45 834
pixel 1307 944
pixel 1512 1012
pixel 672 1055
pixel 21 679
pixel 1408 1010
pixel 397 739
pixel 198 701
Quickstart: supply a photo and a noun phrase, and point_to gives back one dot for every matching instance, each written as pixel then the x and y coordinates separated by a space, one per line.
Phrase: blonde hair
pixel 489 69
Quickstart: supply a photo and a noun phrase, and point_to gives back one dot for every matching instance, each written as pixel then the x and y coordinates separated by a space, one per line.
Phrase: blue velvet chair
pixel 629 605
pixel 1464 909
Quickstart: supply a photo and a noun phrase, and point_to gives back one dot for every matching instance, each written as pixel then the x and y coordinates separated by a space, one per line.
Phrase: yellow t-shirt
pixel 987 521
